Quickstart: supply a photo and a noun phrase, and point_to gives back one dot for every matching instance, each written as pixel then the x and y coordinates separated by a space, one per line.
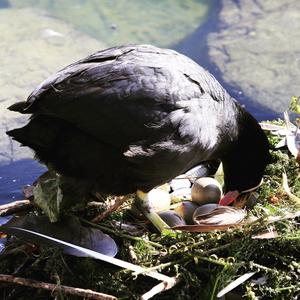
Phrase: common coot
pixel 130 118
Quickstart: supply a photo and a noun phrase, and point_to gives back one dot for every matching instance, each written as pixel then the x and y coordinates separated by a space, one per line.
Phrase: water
pixel 16 175
pixel 196 47
pixel 60 32
pixel 121 21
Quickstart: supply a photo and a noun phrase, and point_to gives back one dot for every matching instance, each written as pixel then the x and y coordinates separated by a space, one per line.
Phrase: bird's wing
pixel 130 94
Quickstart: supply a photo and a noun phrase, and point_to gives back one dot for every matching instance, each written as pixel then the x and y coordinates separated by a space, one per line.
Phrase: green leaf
pixel 56 194
pixel 295 106
pixel 47 196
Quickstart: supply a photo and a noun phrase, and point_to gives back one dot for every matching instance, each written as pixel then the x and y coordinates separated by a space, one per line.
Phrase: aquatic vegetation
pixel 121 22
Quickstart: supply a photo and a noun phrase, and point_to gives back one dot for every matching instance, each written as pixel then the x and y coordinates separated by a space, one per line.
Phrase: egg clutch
pixel 190 200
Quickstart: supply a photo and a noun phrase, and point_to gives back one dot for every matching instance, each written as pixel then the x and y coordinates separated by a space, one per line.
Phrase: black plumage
pixel 134 117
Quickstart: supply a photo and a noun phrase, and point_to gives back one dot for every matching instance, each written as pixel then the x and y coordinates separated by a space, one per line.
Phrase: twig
pixel 216 283
pixel 119 201
pixel 206 241
pixel 278 256
pixel 95 204
pixel 211 260
pixel 128 228
pixel 212 250
pixel 13 207
pixel 87 294
pixel 161 287
pixel 271 219
pixel 164 265
pixel 286 288
pixel 264 268
pixel 206 228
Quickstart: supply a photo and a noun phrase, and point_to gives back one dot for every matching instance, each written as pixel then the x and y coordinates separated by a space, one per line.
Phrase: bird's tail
pixel 19 106
pixel 39 134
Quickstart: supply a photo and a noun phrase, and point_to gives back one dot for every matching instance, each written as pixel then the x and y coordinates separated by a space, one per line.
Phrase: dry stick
pixel 94 204
pixel 10 208
pixel 111 209
pixel 161 287
pixel 88 294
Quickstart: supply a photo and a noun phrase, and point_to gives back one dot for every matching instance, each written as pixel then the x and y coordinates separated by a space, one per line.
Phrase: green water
pixel 115 22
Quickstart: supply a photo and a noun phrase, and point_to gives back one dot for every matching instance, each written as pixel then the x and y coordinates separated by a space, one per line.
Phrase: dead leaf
pixel 265 235
pixel 274 199
pixel 276 129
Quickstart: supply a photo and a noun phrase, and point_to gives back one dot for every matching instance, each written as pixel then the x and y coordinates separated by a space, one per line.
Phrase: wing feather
pixel 137 87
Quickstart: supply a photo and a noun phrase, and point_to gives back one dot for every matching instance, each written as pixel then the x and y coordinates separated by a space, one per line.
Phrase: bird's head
pixel 245 163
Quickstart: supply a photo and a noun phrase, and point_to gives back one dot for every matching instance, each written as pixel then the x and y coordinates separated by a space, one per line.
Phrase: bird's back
pixel 130 116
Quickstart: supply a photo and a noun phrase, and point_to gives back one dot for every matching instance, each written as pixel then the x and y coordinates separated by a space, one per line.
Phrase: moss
pixel 205 262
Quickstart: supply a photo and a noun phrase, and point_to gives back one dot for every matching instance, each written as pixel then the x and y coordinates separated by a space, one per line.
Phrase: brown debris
pixel 118 203
pixel 13 207
pixel 86 294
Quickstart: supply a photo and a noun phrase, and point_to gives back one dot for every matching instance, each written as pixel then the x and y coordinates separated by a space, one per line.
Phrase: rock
pixel 257 48
pixel 29 54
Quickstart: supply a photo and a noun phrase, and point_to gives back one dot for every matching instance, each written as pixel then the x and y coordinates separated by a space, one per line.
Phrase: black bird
pixel 130 118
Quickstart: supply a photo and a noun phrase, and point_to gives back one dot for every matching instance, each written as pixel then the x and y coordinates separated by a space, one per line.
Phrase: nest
pixel 259 259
